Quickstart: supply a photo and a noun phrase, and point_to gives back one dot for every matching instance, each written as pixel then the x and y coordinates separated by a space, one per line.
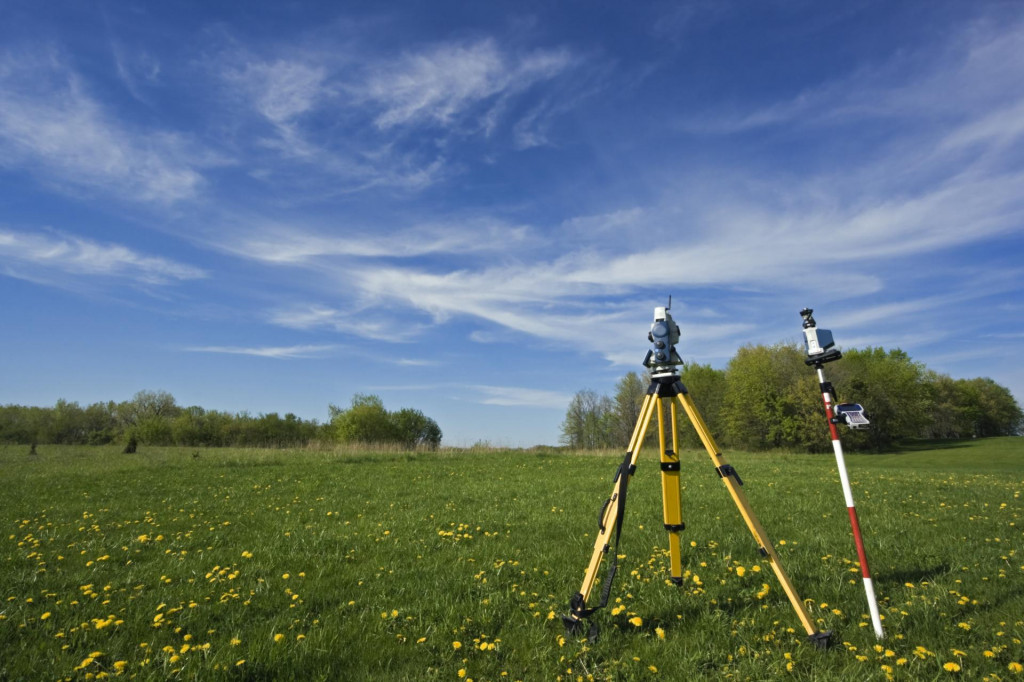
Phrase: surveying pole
pixel 665 387
pixel 821 349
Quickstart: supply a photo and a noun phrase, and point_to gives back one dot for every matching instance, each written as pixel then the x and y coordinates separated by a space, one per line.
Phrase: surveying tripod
pixel 665 387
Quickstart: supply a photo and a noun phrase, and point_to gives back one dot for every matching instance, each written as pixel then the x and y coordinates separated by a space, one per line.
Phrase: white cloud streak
pixel 290 352
pixel 50 124
pixel 513 396
pixel 57 252
pixel 296 244
pixel 439 84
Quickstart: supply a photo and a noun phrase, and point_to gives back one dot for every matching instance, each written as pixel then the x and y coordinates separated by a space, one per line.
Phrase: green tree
pixel 629 398
pixel 707 388
pixel 412 429
pixel 772 400
pixel 366 421
pixel 990 408
pixel 588 421
pixel 892 389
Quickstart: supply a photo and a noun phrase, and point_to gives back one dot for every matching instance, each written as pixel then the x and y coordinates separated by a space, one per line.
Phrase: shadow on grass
pixel 914 575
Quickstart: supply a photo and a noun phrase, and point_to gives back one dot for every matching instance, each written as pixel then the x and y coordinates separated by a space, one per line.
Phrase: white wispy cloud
pixel 26 253
pixel 515 396
pixel 308 351
pixel 297 244
pixel 982 64
pixel 375 106
pixel 359 321
pixel 441 83
pixel 51 125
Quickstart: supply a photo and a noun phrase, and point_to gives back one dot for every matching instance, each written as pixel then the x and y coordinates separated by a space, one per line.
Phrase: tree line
pixel 767 398
pixel 155 418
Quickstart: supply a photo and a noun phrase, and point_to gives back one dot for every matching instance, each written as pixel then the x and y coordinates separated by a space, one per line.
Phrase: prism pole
pixel 825 354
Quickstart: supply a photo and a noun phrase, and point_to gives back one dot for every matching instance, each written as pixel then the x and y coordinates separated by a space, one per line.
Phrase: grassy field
pixel 266 565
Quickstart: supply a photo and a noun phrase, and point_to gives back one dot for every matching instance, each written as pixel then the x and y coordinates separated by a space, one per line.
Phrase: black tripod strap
pixel 623 475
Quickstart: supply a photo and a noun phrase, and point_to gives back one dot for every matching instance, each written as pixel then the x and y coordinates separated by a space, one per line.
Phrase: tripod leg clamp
pixel 728 470
pixel 670 466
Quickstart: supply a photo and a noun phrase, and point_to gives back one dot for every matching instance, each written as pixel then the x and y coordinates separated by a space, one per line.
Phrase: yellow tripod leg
pixel 671 504
pixel 732 482
pixel 610 515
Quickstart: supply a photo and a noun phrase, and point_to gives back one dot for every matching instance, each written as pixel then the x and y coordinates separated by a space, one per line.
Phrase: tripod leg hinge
pixel 670 466
pixel 675 527
pixel 729 470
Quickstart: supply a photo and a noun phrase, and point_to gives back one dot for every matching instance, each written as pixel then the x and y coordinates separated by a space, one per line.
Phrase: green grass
pixel 373 566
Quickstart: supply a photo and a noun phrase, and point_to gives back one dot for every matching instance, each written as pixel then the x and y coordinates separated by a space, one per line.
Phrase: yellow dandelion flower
pixel 421 640
pixel 636 621
pixel 951 667
pixel 278 637
pixel 241 662
pixel 456 645
pixel 44 616
pixel 740 571
pixel 285 576
pixel 394 613
pixel 660 633
pixel 1015 667
pixel 462 672
pixel 119 666
pixel 300 637
pixel 652 668
pixel 235 641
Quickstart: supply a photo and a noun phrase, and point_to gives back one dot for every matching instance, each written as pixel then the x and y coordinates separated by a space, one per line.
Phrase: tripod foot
pixel 821 639
pixel 676 581
pixel 574 628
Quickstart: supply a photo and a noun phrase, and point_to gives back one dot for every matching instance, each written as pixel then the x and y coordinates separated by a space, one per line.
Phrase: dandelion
pixel 636 621
pixel 462 672
pixel 119 666
pixel 1015 667
pixel 241 662
pixel 660 633
pixel 278 637
pixel 456 645
pixel 652 668
pixel 235 641
pixel 951 667
pixel 740 571
pixel 44 616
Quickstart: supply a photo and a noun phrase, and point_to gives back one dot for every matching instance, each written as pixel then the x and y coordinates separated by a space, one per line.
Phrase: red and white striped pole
pixel 869 588
pixel 821 349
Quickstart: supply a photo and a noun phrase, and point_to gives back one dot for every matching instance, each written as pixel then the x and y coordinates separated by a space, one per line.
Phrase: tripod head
pixel 818 343
pixel 662 358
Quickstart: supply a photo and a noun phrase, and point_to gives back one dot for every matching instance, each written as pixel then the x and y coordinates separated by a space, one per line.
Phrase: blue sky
pixel 473 208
